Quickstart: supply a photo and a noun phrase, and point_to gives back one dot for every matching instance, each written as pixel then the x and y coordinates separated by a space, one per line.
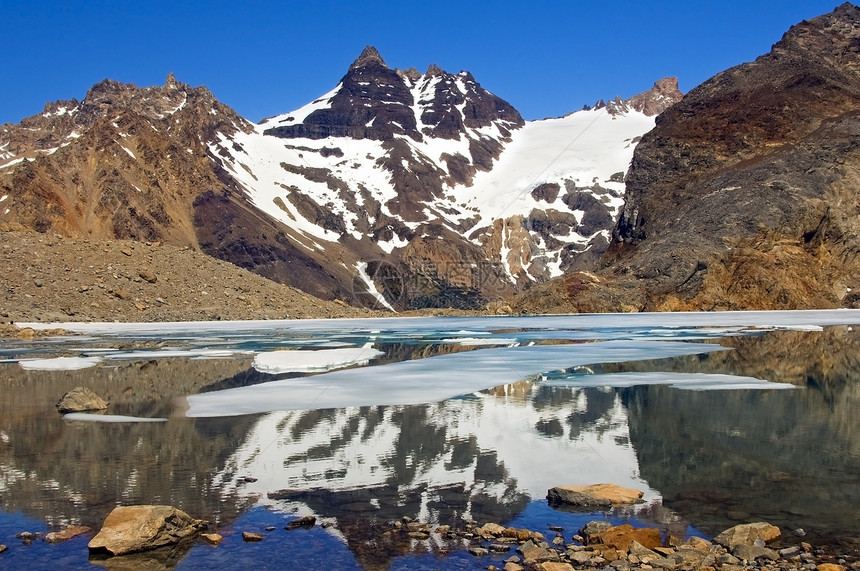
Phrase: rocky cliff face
pixel 744 194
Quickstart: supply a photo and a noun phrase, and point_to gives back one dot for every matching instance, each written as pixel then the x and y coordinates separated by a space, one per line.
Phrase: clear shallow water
pixel 719 418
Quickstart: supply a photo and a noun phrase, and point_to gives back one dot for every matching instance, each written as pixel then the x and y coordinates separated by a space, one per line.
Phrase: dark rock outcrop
pixel 744 194
pixel 755 163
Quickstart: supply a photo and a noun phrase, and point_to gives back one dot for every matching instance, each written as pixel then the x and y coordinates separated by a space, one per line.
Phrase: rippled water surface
pixel 719 418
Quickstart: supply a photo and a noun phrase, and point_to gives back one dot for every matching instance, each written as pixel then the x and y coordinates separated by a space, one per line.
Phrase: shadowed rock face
pixel 374 101
pixel 750 182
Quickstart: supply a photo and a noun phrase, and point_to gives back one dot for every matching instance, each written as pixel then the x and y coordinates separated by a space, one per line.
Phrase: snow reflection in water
pixel 445 418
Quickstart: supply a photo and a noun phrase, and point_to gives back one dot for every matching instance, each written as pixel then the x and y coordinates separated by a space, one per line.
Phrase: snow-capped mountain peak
pixel 425 185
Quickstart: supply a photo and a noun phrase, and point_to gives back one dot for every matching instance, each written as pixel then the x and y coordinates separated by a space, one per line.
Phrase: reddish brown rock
pixel 621 536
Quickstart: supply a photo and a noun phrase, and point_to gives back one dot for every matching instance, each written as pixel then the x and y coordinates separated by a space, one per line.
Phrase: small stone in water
pixel 212 538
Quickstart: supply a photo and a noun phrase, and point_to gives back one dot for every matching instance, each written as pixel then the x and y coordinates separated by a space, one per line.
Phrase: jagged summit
pixel 372 101
pixel 434 70
pixel 369 56
pixel 652 102
pixel 657 99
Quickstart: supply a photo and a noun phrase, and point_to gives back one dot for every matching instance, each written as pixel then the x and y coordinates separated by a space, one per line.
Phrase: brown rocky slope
pixel 744 196
pixel 49 278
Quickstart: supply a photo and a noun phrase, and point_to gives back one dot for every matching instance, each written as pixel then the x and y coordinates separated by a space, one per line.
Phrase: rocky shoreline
pixel 597 545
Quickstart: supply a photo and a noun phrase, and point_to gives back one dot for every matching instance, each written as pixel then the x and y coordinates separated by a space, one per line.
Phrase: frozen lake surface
pixel 717 417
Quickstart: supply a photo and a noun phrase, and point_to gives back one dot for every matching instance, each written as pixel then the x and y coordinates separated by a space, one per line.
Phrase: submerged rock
pixel 130 529
pixel 81 399
pixel 307 521
pixel 66 534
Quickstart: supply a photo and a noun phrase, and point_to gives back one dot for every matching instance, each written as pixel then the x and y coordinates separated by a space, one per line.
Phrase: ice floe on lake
pixel 309 361
pixel 111 418
pixel 690 381
pixel 59 363
pixel 432 379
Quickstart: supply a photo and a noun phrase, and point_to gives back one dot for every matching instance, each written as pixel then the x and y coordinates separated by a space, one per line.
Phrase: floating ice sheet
pixel 59 363
pixel 92 417
pixel 691 381
pixel 174 352
pixel 601 323
pixel 301 361
pixel 479 341
pixel 428 380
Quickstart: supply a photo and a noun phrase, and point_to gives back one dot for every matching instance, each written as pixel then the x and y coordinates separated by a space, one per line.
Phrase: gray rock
pixel 790 551
pixel 753 552
pixel 593 528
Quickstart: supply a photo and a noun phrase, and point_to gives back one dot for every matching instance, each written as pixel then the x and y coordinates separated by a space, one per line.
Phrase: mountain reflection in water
pixel 707 458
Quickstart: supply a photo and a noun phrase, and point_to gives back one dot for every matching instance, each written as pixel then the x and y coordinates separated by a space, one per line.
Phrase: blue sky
pixel 265 58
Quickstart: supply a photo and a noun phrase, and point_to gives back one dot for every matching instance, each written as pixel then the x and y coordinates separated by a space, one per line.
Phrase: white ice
pixel 303 361
pixel 427 380
pixel 478 341
pixel 59 363
pixel 690 381
pixel 111 418
pixel 595 325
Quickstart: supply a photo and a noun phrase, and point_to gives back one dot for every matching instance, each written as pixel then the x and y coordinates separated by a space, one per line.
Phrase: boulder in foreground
pixel 595 495
pixel 130 529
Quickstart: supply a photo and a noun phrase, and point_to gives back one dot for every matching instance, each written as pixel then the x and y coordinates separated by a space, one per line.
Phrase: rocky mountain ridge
pixel 380 193
pixel 744 194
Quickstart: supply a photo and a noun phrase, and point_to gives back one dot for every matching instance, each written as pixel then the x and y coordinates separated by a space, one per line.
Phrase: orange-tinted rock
pixel 621 536
pixel 129 529
pixel 593 495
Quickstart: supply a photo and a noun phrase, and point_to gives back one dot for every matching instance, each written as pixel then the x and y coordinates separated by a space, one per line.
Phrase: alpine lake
pixel 719 418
